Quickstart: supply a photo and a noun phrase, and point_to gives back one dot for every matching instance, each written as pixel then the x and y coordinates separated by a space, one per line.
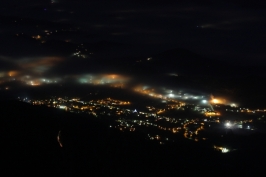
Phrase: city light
pixel 62 107
pixel 171 95
pixel 215 101
pixel 114 107
pixel 225 150
pixel 233 105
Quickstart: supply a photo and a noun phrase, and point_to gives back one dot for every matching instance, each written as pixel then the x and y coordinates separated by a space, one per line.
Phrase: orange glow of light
pixel 112 76
pixel 215 101
pixel 212 114
pixel 34 83
pixel 12 73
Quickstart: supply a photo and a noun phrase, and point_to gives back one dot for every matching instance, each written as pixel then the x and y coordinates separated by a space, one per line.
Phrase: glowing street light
pixel 225 150
pixel 233 105
pixel 228 124
pixel 215 101
pixel 171 95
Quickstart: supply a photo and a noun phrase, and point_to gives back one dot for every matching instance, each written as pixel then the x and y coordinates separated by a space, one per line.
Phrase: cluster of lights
pixel 36 37
pixel 78 54
pixel 36 82
pixel 222 149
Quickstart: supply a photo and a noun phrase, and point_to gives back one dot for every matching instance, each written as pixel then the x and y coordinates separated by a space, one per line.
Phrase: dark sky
pixel 230 30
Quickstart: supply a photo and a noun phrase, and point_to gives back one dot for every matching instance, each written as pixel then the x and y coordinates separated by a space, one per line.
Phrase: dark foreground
pixel 29 146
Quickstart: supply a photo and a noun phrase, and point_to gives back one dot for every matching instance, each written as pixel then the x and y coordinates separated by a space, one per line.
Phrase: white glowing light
pixel 171 95
pixel 233 105
pixel 225 150
pixel 62 107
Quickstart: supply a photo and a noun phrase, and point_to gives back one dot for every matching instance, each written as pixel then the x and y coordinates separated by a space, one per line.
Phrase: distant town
pixel 210 123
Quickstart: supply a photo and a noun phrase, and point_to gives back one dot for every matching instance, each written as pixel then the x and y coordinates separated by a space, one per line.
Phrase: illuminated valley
pixel 132 88
pixel 163 117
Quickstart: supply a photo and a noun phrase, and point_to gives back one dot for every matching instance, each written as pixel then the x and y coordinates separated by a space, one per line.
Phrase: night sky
pixel 227 30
